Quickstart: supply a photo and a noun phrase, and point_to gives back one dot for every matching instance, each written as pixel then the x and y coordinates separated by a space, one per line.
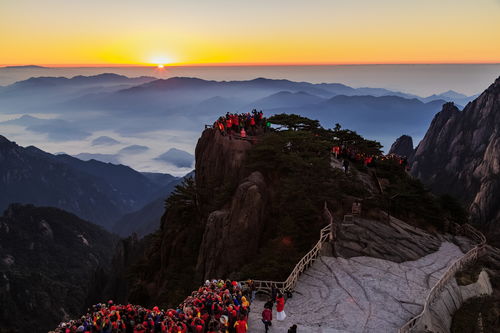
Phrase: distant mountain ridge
pixel 96 191
pixel 79 111
pixel 146 84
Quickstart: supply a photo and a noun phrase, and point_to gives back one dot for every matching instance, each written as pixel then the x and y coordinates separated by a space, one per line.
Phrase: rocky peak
pixel 403 146
pixel 460 154
pixel 3 139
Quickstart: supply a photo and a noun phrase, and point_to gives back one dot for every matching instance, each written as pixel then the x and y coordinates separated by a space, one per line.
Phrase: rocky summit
pixel 403 146
pixel 460 155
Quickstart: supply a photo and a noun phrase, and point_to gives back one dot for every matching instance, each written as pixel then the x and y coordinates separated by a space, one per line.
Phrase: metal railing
pixel 307 260
pixel 459 264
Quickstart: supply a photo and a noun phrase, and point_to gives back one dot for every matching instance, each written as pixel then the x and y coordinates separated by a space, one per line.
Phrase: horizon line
pixel 142 65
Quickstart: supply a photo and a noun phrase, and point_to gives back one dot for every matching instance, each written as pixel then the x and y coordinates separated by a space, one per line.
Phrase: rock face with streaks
pixel 460 154
pixel 221 228
pixel 232 234
pixel 394 240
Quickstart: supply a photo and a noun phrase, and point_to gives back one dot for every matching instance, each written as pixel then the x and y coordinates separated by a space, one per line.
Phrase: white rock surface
pixel 360 294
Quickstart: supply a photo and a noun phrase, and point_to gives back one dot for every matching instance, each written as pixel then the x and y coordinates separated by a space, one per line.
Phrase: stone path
pixel 360 294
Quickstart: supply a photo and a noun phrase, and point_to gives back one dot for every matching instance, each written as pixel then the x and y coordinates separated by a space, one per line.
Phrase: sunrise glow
pixel 253 33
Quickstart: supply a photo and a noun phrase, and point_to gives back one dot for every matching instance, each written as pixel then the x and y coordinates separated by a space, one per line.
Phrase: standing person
pixel 267 317
pixel 229 125
pixel 280 307
pixel 241 326
pixel 252 125
pixel 346 165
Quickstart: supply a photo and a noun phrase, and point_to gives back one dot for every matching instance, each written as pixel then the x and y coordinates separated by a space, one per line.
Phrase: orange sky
pixel 61 32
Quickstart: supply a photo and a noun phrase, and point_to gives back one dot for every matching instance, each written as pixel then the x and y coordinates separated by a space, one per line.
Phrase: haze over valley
pixel 136 120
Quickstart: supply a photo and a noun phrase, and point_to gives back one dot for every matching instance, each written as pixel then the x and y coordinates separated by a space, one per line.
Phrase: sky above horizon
pixel 59 32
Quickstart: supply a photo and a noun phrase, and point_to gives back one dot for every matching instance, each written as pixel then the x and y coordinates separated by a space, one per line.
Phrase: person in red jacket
pixel 252 125
pixel 280 307
pixel 267 317
pixel 241 326
pixel 229 125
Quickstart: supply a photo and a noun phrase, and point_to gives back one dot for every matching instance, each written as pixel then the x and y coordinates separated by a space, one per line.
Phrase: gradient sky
pixel 89 32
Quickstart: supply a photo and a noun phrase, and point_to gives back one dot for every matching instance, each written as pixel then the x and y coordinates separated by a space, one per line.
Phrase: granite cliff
pixel 460 155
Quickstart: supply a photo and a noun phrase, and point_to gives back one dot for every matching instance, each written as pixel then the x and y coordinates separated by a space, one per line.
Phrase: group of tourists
pixel 351 154
pixel 216 307
pixel 243 124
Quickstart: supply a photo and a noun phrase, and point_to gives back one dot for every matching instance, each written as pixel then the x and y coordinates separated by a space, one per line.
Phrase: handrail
pixel 300 267
pixel 469 257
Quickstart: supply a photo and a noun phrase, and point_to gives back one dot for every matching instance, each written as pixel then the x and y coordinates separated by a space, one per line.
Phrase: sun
pixel 160 61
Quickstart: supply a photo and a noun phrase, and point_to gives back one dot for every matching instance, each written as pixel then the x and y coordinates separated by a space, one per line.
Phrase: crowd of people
pixel 216 307
pixel 347 154
pixel 243 124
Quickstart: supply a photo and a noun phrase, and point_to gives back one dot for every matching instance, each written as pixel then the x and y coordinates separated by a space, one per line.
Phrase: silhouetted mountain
pixel 104 141
pixel 178 91
pixel 451 96
pixel 52 266
pixel 177 157
pixel 186 104
pixel 47 92
pixel 23 67
pixel 106 158
pixel 460 152
pixel 375 117
pixel 99 192
pixel 403 146
pixel 55 129
pixel 50 82
pixel 133 149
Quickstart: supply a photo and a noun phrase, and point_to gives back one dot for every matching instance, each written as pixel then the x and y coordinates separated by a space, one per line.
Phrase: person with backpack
pixel 267 317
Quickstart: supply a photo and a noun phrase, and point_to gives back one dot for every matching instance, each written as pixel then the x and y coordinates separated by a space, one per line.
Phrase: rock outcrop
pixel 218 163
pixel 394 240
pixel 403 146
pixel 232 234
pixel 220 227
pixel 460 154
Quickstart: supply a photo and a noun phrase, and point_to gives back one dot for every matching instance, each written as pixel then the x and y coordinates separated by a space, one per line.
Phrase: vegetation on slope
pixel 295 160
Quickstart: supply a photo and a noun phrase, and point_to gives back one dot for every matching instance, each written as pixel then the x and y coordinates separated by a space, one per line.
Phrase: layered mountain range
pixel 74 109
pixel 95 191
